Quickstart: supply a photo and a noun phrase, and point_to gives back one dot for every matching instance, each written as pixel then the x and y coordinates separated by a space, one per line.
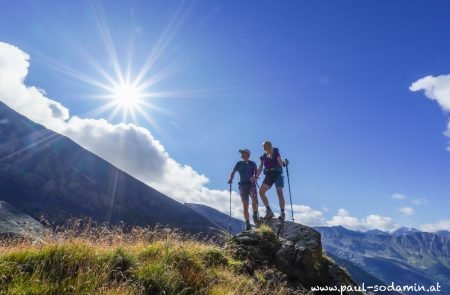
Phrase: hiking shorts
pixel 246 190
pixel 272 178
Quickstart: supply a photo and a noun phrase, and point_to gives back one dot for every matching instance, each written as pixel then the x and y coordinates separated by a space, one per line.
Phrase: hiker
pixel 273 170
pixel 247 184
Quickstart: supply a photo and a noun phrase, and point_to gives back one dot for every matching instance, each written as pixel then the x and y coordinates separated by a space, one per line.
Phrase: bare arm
pixel 230 180
pixel 260 168
pixel 280 161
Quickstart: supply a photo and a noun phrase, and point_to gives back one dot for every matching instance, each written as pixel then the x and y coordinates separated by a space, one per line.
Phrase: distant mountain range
pixel 406 256
pixel 45 174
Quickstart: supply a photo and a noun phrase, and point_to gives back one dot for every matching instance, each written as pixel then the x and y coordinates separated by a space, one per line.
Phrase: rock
pixel 258 249
pixel 294 250
pixel 15 224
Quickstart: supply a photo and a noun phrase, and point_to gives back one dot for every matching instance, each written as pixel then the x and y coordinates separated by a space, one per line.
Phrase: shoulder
pixel 276 151
pixel 252 163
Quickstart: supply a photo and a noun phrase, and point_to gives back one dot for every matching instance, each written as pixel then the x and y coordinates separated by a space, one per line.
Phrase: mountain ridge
pixel 45 174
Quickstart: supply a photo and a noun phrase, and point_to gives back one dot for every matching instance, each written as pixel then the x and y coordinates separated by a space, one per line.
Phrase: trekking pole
pixel 230 210
pixel 256 194
pixel 289 186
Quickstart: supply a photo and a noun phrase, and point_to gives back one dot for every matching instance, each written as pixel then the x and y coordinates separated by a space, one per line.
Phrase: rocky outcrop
pixel 14 223
pixel 294 250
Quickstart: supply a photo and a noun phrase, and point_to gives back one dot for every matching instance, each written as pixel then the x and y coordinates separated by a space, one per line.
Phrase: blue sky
pixel 326 81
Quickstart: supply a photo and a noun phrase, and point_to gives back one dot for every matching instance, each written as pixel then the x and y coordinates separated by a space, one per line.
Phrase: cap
pixel 245 151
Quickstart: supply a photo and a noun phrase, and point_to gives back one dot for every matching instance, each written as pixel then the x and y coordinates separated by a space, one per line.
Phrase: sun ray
pixel 73 73
pixel 127 93
pixel 165 39
pixel 102 26
pixel 88 57
pixel 96 112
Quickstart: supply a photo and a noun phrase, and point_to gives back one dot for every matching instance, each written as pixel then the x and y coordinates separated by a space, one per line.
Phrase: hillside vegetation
pixel 101 260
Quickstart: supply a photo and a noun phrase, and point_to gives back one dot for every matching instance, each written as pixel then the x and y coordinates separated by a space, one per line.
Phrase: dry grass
pixel 80 258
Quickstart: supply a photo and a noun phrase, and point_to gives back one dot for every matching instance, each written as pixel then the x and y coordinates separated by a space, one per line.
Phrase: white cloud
pixel 433 227
pixel 127 146
pixel 28 100
pixel 436 88
pixel 421 201
pixel 308 216
pixel 407 211
pixel 398 197
pixel 372 221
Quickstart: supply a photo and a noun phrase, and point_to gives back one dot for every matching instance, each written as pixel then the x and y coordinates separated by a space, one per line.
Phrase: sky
pixel 355 94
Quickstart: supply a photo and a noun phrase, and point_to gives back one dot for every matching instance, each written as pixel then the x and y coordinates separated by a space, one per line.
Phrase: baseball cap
pixel 245 151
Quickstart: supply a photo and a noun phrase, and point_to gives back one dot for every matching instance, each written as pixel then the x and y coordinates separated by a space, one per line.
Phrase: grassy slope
pixel 142 261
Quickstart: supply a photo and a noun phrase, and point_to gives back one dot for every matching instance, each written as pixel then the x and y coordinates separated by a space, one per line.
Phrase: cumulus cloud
pixel 407 211
pixel 127 146
pixel 308 216
pixel 437 89
pixel 370 222
pixel 28 100
pixel 433 227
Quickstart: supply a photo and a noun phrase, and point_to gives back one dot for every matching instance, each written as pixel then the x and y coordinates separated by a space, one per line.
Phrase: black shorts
pixel 247 189
pixel 274 177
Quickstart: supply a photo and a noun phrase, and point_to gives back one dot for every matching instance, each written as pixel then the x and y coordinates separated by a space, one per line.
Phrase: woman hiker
pixel 247 184
pixel 273 170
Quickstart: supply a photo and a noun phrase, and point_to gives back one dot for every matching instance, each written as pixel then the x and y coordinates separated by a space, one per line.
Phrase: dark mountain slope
pixel 46 174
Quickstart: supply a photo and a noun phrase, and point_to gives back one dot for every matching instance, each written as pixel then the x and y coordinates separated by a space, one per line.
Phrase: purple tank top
pixel 271 162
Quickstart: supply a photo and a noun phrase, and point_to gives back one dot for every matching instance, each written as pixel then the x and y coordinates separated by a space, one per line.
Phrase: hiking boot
pixel 248 227
pixel 255 218
pixel 269 214
pixel 282 216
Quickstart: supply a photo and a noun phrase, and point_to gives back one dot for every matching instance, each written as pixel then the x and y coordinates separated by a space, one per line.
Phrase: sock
pixel 282 210
pixel 255 213
pixel 248 221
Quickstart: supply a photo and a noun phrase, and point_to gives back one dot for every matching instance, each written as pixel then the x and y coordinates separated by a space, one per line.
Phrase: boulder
pixel 293 249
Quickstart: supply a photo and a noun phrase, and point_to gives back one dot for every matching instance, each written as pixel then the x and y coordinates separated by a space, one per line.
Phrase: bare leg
pixel 281 197
pixel 262 192
pixel 254 202
pixel 246 216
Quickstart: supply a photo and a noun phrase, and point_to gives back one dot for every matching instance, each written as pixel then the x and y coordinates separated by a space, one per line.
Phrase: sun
pixel 127 95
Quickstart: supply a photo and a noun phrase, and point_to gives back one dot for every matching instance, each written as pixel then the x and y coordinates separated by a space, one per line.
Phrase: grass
pixel 101 260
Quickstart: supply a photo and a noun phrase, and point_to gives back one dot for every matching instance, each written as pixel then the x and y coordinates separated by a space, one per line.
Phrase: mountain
pixel 377 232
pixel 406 257
pixel 443 233
pixel 405 231
pixel 219 218
pixel 45 174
